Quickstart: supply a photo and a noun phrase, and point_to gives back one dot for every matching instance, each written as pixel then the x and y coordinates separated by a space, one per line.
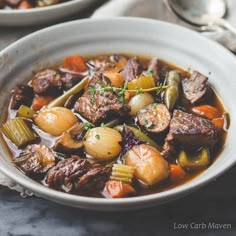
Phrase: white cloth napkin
pixel 155 9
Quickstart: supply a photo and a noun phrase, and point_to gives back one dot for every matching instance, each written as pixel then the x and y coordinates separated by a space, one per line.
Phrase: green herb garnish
pixel 121 91
pixel 150 73
pixel 87 126
pixel 92 90
pixel 138 91
pixel 147 124
pixel 97 136
pixel 154 105
pixel 145 121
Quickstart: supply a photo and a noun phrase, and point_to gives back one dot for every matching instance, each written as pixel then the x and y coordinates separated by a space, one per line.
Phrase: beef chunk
pixel 52 82
pixel 97 105
pixel 159 69
pixel 35 159
pixel 195 87
pixel 94 180
pixel 103 63
pixel 47 82
pixel 22 94
pixel 75 174
pixel 154 66
pixel 132 69
pixel 71 79
pixel 189 132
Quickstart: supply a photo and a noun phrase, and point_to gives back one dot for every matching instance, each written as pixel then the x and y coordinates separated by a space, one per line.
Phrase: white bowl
pixel 42 15
pixel 128 35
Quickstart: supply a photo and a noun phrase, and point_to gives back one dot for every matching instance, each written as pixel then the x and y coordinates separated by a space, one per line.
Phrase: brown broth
pixel 167 184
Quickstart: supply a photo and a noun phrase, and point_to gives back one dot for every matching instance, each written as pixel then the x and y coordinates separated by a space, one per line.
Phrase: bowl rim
pixel 38 9
pixel 176 192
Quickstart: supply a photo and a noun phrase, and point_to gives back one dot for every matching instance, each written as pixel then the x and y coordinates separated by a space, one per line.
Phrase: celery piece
pixel 25 112
pixel 19 132
pixel 122 173
pixel 111 123
pixel 60 101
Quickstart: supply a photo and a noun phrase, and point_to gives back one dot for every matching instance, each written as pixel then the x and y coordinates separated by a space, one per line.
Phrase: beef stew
pixel 27 4
pixel 114 126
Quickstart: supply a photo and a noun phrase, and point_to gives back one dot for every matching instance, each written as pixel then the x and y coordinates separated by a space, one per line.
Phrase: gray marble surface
pixel 198 212
pixel 214 203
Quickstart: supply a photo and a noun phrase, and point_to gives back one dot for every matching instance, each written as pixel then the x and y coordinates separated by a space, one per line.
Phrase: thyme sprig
pixel 154 89
pixel 121 91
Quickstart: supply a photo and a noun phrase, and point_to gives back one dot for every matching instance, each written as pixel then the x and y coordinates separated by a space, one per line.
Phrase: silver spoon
pixel 202 12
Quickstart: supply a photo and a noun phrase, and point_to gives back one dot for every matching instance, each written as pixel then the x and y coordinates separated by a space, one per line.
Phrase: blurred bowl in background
pixel 42 15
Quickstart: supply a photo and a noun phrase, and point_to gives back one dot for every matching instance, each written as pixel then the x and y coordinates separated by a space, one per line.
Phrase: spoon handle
pixel 225 24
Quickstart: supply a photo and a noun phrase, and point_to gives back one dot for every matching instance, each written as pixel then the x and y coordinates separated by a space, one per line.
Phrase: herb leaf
pixel 87 126
pixel 154 105
pixel 121 91
pixel 150 73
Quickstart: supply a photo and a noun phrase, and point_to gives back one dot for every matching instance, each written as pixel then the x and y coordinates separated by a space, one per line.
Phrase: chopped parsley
pixel 97 136
pixel 150 73
pixel 92 90
pixel 139 91
pixel 87 126
pixel 147 123
pixel 101 83
pixel 154 105
pixel 121 93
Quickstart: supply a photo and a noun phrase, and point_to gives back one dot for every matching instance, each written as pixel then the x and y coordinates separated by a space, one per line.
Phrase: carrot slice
pixel 75 63
pixel 41 101
pixel 24 5
pixel 118 189
pixel 206 111
pixel 177 173
pixel 219 123
pixel 116 78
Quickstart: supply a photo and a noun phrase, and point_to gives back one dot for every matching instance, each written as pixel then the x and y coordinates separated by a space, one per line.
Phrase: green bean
pixel 171 94
pixel 60 101
pixel 111 123
pixel 140 135
pixel 196 161
pixel 227 121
